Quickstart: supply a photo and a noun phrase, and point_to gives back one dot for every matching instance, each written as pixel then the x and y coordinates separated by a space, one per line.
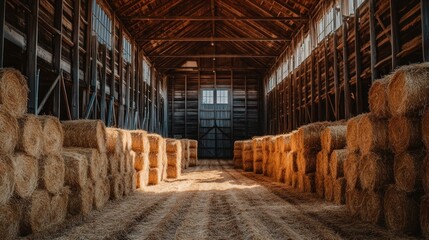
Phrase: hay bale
pixel 307 161
pixel 295 180
pixel 425 129
pixel 81 200
pixel 51 173
pixel 30 135
pixel 130 159
pixel 247 145
pixel 372 134
pixel 104 165
pixel 290 167
pixel 372 207
pixel 113 141
pixel 319 182
pixel 10 216
pixel 185 153
pixel 140 142
pixel 352 167
pixel 173 172
pixel 404 133
pixel 59 206
pixel 142 178
pixel 339 191
pixel 193 144
pixel 322 163
pixel 101 193
pixel 155 160
pixel 401 211
pixel 127 141
pixel 377 98
pixel 113 160
pixel 257 143
pixel 85 134
pixel 408 171
pixel 53 135
pixel 354 201
pixel 141 161
pixel 36 213
pixel 336 163
pixel 308 137
pixel 154 176
pixel 257 167
pixel 376 171
pixel 300 183
pixel 155 143
pixel 116 186
pixel 174 160
pixel 76 169
pixel 121 163
pixel 309 183
pixel 248 166
pixel 424 216
pixel 408 91
pixel 26 174
pixel 333 137
pixel 174 146
pixel 128 183
pixel 353 134
pixel 93 157
pixel 13 91
pixel 8 133
pixel 328 184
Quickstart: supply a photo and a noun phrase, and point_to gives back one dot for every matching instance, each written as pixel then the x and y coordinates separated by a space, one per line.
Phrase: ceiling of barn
pixel 247 34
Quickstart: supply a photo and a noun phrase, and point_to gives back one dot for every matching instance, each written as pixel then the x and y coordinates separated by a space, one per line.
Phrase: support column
pixel 32 38
pixel 425 29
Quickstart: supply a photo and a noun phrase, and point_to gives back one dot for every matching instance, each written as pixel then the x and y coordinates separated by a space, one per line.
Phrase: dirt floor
pixel 215 201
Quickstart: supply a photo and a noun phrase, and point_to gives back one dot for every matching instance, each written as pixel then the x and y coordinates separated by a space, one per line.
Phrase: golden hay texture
pixel 7 179
pixel 424 216
pixel 193 144
pixel 59 206
pixel 300 183
pixel 8 133
pixel 408 91
pixel 10 216
pixel 308 137
pixel 266 154
pixel 142 179
pixel 401 211
pixel 333 137
pixel 336 163
pixel 248 166
pixel 51 173
pixel 425 129
pixel 53 135
pixel 155 160
pixel 372 134
pixel 257 167
pixel 141 162
pixel 154 176
pixel 101 193
pixel 93 157
pixel 339 191
pixel 185 153
pixel 113 160
pixel 13 91
pixel 113 141
pixel 173 172
pixel 425 177
pixel 319 182
pixel 329 188
pixel 85 134
pixel 128 183
pixel 76 169
pixel 81 200
pixel 277 168
pixel 372 207
pixel 174 159
pixel 353 134
pixel 238 154
pixel 377 98
pixel 26 174
pixel 404 133
pixel 36 213
pixel 295 176
pixel 130 159
pixel 307 161
pixel 128 141
pixel 140 142
pixel 376 171
pixel 322 163
pixel 174 146
pixel 116 186
pixel 354 201
pixel 257 143
pixel 121 163
pixel 155 143
pixel 258 155
pixel 30 135
pixel 247 145
pixel 408 171
pixel 104 165
pixel 352 167
pixel 290 167
pixel 309 185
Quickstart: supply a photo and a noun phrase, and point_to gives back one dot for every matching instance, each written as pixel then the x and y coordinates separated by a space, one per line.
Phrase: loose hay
pixel 333 137
pixel 13 91
pixel 10 216
pixel 408 171
pixel 36 213
pixel 372 208
pixel 352 167
pixel 30 135
pixel 353 134
pixel 378 103
pixel 26 174
pixel 354 201
pixel 53 135
pixel 408 91
pixel 401 211
pixel 376 171
pixel 140 142
pixel 339 191
pixel 59 206
pixel 51 173
pixel 85 134
pixel 404 133
pixel 372 134
pixel 424 216
pixel 336 163
pixel 81 200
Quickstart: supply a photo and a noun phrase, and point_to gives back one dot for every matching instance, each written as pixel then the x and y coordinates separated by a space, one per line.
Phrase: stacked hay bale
pixel 185 153
pixel 174 158
pixel 156 158
pixel 265 154
pixel 248 156
pixel 257 147
pixel 128 173
pixel 141 147
pixel 330 182
pixel 272 146
pixel 116 147
pixel 238 154
pixel 193 153
pixel 280 158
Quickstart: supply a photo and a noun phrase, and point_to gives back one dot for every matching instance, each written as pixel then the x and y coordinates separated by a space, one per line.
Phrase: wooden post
pixel 75 60
pixel 327 110
pixel 32 39
pixel 425 29
pixel 373 40
pixel 336 74
pixel 319 88
pixel 346 71
pixel 394 24
pixel 103 84
pixel 58 40
pixel 313 91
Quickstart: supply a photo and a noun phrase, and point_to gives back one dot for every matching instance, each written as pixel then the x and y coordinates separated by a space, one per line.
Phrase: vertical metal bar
pixel 394 24
pixel 425 29
pixel 75 60
pixel 245 106
pixel 358 62
pixel 127 96
pixel 103 84
pixel 336 73
pixel 290 99
pixel 88 48
pixel 373 40
pixel 2 22
pixel 346 71
pixel 58 40
pixel 313 90
pixel 186 106
pixel 327 110
pixel 32 38
pixel 173 92
pixel 232 109
pixel 199 99
pixel 111 111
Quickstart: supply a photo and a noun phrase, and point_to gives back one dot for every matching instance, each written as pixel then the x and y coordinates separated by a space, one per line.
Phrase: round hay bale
pixel 10 216
pixel 26 174
pixel 7 179
pixel 307 161
pixel 76 169
pixel 408 91
pixel 113 163
pixel 81 200
pixel 322 163
pixel 408 171
pixel 376 171
pixel 154 176
pixel 352 167
pixel 424 216
pixel 377 98
pixel 94 160
pixel 404 133
pixel 116 187
pixel 140 142
pixel 13 91
pixel 329 188
pixel 308 137
pixel 59 206
pixel 51 173
pixel 372 207
pixel 8 133
pixel 339 191
pixel 141 162
pixel 353 134
pixel 101 193
pixel 113 140
pixel 36 213
pixel 401 211
pixel 30 135
pixel 85 134
pixel 336 163
pixel 372 134
pixel 425 129
pixel 104 165
pixel 354 201
pixel 333 137
pixel 53 135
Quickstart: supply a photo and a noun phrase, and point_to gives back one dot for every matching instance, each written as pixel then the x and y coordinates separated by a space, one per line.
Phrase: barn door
pixel 215 124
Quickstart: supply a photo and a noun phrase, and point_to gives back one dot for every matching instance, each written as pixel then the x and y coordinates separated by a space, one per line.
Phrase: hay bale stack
pixel 93 158
pixel 401 211
pixel 372 134
pixel 336 163
pixel 333 137
pixel 270 160
pixel 290 167
pixel 85 134
pixel 339 191
pixel 114 141
pixel 10 216
pixel 185 153
pixel 353 134
pixel 51 173
pixel 7 179
pixel 13 92
pixel 76 169
pixel 154 176
pixel 378 99
pixel 81 200
pixel 319 182
pixel 238 154
pixel 372 207
pixel 101 193
pixel 156 155
pixel 257 154
pixel 59 206
pixel 352 167
pixel 9 132
pixel 376 171
pixel 329 188
pixel 36 213
pixel 307 161
pixel 408 171
pixel 141 165
pixel 52 136
pixel 248 156
pixel 30 134
pixel 26 175
pixel 408 91
pixel 424 216
pixel 265 154
pixel 116 186
pixel 308 137
pixel 193 153
pixel 140 142
pixel 404 133
pixel 354 201
pixel 174 158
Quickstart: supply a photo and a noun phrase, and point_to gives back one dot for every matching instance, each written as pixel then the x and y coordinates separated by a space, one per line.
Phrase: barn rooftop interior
pixel 219 119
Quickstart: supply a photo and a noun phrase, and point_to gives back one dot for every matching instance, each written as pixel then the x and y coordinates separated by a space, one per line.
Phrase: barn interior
pixel 219 119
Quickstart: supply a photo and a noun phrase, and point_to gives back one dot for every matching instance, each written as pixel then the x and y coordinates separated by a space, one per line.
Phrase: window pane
pixel 102 25
pixel 222 96
pixel 208 97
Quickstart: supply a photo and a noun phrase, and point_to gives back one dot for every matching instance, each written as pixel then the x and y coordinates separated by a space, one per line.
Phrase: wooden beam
pixel 215 39
pixel 215 18
pixel 346 71
pixel 327 98
pixel 58 40
pixel 3 23
pixel 214 56
pixel 336 70
pixel 103 84
pixel 425 29
pixel 32 39
pixel 75 59
pixel 358 62
pixel 394 24
pixel 373 40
